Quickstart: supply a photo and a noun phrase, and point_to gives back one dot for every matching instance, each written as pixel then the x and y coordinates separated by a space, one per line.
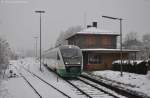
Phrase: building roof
pixel 104 50
pixel 92 30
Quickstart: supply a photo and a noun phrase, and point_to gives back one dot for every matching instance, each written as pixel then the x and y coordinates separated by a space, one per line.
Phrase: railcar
pixel 66 60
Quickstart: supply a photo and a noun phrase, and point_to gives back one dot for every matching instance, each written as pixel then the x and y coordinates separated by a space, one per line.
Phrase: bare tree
pixel 146 45
pixel 146 37
pixel 131 41
pixel 4 54
pixel 61 39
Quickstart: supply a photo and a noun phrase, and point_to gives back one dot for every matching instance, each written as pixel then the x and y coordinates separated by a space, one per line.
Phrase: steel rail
pixel 31 85
pixel 129 93
pixel 46 82
pixel 97 87
pixel 78 89
pixel 84 93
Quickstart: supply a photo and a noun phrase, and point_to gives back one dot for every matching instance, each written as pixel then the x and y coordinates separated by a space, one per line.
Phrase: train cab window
pixel 58 57
pixel 94 59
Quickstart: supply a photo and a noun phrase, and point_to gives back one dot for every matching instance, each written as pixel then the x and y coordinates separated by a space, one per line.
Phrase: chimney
pixel 88 26
pixel 95 24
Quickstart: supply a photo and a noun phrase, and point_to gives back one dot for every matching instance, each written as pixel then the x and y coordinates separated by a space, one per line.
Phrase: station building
pixel 99 47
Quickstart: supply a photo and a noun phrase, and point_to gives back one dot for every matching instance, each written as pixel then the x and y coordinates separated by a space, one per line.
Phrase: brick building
pixel 99 47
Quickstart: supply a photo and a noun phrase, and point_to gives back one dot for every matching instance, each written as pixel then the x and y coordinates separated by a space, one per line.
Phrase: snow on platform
pixel 129 81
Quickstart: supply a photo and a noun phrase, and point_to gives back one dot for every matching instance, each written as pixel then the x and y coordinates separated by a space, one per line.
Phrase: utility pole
pixel 36 39
pixel 120 20
pixel 40 12
pixel 85 19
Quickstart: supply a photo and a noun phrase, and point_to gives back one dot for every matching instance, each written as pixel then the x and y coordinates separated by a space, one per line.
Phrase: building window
pixel 94 59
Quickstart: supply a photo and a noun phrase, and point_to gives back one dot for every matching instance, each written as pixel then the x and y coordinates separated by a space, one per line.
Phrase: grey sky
pixel 19 24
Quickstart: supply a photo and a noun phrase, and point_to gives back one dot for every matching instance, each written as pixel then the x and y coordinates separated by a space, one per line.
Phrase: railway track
pixel 31 85
pixel 88 86
pixel 42 80
pixel 110 92
pixel 91 89
pixel 26 80
pixel 127 93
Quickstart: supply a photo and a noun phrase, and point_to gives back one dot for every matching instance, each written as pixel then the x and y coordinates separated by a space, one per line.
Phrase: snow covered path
pixel 16 87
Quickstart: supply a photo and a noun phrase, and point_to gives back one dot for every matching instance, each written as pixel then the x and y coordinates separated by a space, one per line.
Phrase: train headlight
pixel 78 63
pixel 66 63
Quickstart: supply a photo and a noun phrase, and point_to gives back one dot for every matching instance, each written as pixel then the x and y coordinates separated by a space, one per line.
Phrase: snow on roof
pixel 109 50
pixel 92 30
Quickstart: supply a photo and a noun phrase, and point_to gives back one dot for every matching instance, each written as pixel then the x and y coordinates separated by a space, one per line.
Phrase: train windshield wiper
pixel 74 56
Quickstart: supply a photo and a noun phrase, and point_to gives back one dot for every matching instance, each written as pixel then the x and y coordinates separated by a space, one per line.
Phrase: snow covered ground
pixel 129 81
pixel 16 87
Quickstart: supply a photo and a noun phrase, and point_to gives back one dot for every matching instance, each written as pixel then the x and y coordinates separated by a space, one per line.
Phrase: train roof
pixel 109 50
pixel 61 46
pixel 68 46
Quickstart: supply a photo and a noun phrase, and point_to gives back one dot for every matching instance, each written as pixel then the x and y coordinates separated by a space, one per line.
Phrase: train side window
pixel 58 58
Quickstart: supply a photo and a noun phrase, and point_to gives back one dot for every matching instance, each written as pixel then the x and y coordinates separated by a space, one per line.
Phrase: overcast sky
pixel 19 24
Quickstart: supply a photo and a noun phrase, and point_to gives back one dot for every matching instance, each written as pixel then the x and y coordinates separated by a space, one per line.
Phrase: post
pixel 36 46
pixel 40 12
pixel 40 43
pixel 85 17
pixel 121 46
pixel 121 56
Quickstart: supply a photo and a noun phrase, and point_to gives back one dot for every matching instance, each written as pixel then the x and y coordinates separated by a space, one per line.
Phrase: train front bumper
pixel 64 73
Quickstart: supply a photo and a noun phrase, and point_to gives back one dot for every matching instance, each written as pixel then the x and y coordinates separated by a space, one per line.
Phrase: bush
pixel 139 67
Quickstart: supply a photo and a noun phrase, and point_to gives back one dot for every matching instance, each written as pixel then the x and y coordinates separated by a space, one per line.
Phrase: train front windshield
pixel 71 56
